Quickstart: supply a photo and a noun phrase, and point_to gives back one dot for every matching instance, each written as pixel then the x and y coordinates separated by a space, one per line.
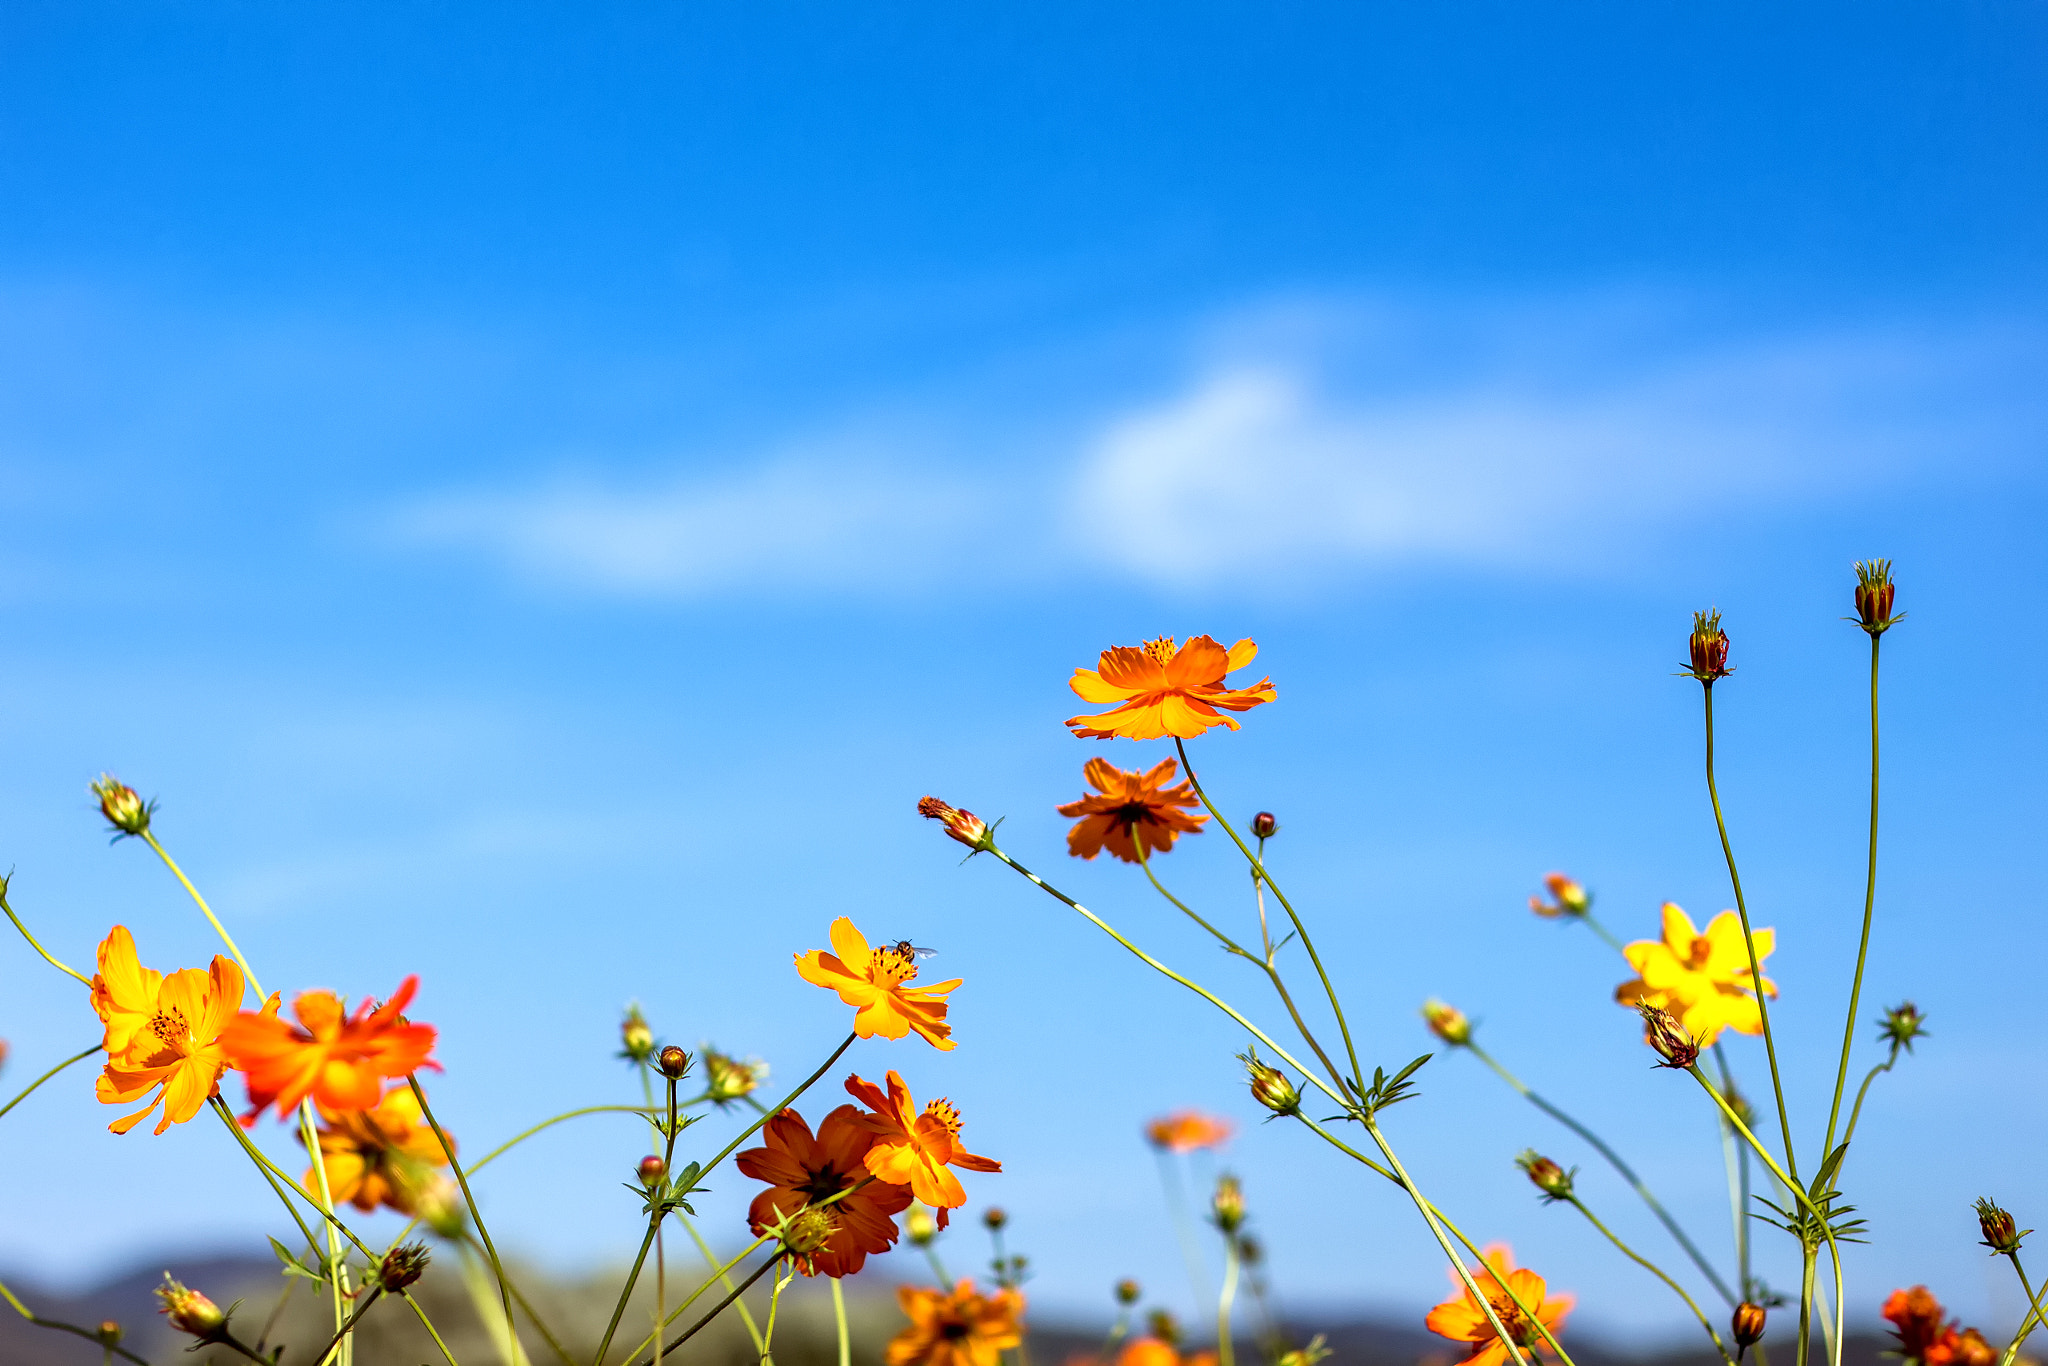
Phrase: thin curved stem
pixel 149 837
pixel 839 1321
pixel 1736 1158
pixel 713 1313
pixel 483 1233
pixel 1654 1270
pixel 719 1274
pixel 2030 1321
pixel 1869 903
pixel 723 1274
pixel 34 944
pixel 264 1166
pixel 1606 934
pixel 782 1281
pixel 428 1324
pixel 79 1057
pixel 1614 1160
pixel 1856 1111
pixel 58 1325
pixel 501 1149
pixel 1308 943
pixel 1226 1351
pixel 779 1107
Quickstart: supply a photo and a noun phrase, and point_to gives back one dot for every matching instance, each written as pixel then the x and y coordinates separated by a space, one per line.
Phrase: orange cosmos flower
pixel 801 1170
pixel 1916 1319
pixel 1188 1130
pixel 381 1156
pixel 958 1328
pixel 1700 977
pixel 1132 806
pixel 876 982
pixel 161 1031
pixel 1161 690
pixel 339 1060
pixel 916 1150
pixel 1153 1352
pixel 1461 1318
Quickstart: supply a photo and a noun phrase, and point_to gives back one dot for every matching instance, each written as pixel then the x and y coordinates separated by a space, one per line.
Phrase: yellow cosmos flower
pixel 876 982
pixel 161 1031
pixel 1701 979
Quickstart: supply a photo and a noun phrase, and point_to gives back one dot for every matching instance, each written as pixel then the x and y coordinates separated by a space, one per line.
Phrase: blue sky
pixel 540 492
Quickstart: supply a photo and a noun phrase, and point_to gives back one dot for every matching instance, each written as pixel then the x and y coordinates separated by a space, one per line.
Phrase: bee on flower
pixel 1161 689
pixel 161 1034
pixel 1132 814
pixel 876 982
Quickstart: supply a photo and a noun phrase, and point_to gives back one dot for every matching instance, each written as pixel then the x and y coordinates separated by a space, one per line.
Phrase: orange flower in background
pixel 1916 1319
pixel 339 1060
pixel 1161 690
pixel 876 983
pixel 961 1327
pixel 1699 977
pixel 161 1031
pixel 1131 807
pixel 1461 1318
pixel 1188 1130
pixel 1967 1348
pixel 381 1156
pixel 801 1170
pixel 1153 1352
pixel 916 1150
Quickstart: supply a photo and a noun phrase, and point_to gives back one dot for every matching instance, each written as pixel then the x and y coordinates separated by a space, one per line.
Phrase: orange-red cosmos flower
pixel 876 983
pixel 916 1150
pixel 1461 1318
pixel 380 1156
pixel 1916 1318
pixel 1185 1131
pixel 961 1327
pixel 161 1031
pixel 1162 691
pixel 1132 806
pixel 339 1060
pixel 801 1170
pixel 1152 1352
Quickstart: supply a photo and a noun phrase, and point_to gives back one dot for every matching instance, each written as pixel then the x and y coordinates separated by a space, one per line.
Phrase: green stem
pixel 931 1254
pixel 719 1275
pixel 149 836
pixel 1869 903
pixel 1614 1160
pixel 1756 976
pixel 1736 1159
pixel 59 1326
pixel 1655 1270
pixel 1183 1226
pixel 369 1298
pixel 80 1057
pixel 1259 870
pixel 1608 935
pixel 74 972
pixel 428 1324
pixel 2032 1319
pixel 779 1107
pixel 1226 1352
pixel 1856 1111
pixel 483 1233
pixel 263 1165
pixel 839 1320
pixel 337 1274
pixel 713 1313
pixel 723 1275
pixel 782 1281
pixel 535 1319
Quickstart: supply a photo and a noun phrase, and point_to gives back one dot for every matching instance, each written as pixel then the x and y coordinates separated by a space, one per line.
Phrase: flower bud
pixel 994 1217
pixel 1227 1205
pixel 919 1227
pixel 1567 898
pixel 964 826
pixel 189 1311
pixel 108 1334
pixel 1739 1103
pixel 1554 1181
pixel 651 1170
pixel 1902 1024
pixel 1316 1351
pixel 2001 1235
pixel 1270 1086
pixel 635 1038
pixel 728 1079
pixel 1265 825
pixel 1874 590
pixel 401 1266
pixel 808 1232
pixel 674 1063
pixel 1747 1325
pixel 1164 1326
pixel 1968 1348
pixel 1709 648
pixel 439 1206
pixel 1671 1039
pixel 1127 1291
pixel 125 811
pixel 1447 1022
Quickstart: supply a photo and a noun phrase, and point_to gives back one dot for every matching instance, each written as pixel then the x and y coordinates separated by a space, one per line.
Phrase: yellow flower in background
pixel 1701 979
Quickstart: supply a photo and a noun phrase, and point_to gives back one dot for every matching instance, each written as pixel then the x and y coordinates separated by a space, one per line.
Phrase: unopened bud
pixel 728 1079
pixel 439 1206
pixel 1554 1181
pixel 1709 648
pixel 1874 589
pixel 124 810
pixel 674 1063
pixel 635 1038
pixel 964 826
pixel 995 1217
pixel 189 1311
pixel 919 1226
pixel 1747 1325
pixel 1270 1086
pixel 1902 1024
pixel 1164 1326
pixel 1265 826
pixel 1674 1044
pixel 651 1170
pixel 1227 1205
pixel 1127 1291
pixel 108 1334
pixel 808 1232
pixel 401 1266
pixel 1567 898
pixel 2001 1235
pixel 1447 1022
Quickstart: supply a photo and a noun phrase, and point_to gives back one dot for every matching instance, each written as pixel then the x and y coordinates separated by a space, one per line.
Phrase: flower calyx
pixel 1270 1086
pixel 1568 899
pixel 401 1266
pixel 1746 1326
pixel 1708 648
pixel 128 813
pixel 1226 1206
pixel 1447 1022
pixel 667 1191
pixel 636 1037
pixel 1554 1181
pixel 1902 1024
pixel 964 826
pixel 189 1311
pixel 1671 1040
pixel 1874 594
pixel 2001 1235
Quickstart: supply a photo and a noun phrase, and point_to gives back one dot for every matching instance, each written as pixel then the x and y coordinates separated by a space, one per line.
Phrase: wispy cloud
pixel 1297 460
